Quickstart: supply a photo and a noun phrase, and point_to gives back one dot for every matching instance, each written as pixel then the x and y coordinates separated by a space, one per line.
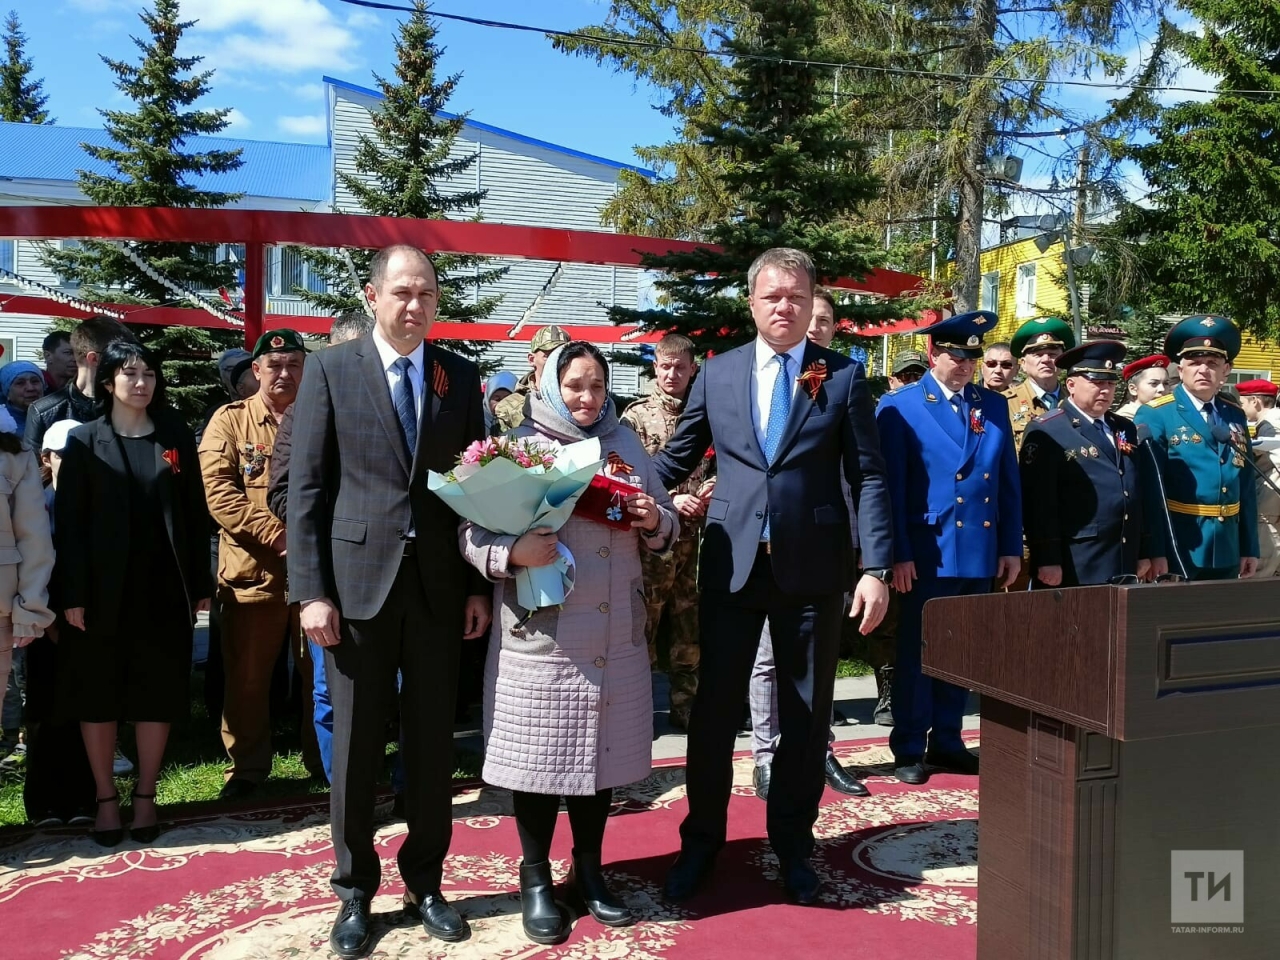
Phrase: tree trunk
pixel 974 127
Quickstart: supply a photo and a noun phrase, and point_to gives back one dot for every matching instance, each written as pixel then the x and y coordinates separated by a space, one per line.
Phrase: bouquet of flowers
pixel 510 486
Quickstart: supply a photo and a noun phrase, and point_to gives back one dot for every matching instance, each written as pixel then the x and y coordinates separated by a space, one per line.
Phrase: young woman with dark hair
pixel 132 567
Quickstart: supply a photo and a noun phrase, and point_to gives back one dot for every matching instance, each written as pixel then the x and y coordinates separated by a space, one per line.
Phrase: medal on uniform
pixel 1123 444
pixel 1195 438
pixel 255 455
pixel 1093 451
pixel 975 421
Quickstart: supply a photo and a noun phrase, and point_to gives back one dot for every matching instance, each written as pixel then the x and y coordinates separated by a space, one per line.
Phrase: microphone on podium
pixel 1153 464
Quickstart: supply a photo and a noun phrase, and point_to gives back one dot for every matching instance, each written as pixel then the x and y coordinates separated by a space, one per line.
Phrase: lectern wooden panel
pixel 1120 724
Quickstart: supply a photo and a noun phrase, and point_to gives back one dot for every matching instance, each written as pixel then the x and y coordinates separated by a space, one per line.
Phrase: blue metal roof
pixel 288 171
pixel 488 128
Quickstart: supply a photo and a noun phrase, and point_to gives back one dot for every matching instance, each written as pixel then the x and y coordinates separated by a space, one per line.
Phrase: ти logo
pixel 1206 886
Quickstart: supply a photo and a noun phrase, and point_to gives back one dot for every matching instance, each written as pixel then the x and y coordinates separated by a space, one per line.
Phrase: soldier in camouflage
pixel 671 581
pixel 509 413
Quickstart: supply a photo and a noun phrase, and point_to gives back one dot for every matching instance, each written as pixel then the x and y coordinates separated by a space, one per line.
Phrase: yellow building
pixel 1019 282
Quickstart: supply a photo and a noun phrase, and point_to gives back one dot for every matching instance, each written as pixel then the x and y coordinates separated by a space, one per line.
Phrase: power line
pixel 865 68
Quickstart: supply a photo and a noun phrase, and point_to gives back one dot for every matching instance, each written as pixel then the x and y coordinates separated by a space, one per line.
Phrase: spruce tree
pixel 793 176
pixel 150 168
pixel 22 99
pixel 1207 236
pixel 408 168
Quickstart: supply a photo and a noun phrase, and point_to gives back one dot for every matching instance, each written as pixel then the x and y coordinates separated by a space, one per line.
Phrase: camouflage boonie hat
pixel 548 338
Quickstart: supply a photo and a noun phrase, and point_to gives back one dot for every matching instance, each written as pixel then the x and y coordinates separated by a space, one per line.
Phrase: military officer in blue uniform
pixel 957 525
pixel 1082 496
pixel 1200 442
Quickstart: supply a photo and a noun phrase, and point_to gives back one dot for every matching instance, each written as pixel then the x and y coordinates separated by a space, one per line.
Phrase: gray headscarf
pixel 547 409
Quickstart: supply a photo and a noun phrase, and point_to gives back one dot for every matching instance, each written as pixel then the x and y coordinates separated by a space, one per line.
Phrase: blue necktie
pixel 404 405
pixel 1051 400
pixel 779 410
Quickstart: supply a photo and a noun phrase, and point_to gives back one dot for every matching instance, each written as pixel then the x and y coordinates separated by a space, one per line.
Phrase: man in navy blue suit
pixel 786 417
pixel 957 524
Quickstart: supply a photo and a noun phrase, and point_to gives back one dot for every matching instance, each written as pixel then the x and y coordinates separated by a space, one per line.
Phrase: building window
pixel 9 255
pixel 1026 292
pixel 989 298
pixel 1240 376
pixel 287 271
pixel 67 281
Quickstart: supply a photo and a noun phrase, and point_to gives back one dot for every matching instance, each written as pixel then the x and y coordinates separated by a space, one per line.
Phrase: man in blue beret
pixel 1081 477
pixel 957 524
pixel 1200 442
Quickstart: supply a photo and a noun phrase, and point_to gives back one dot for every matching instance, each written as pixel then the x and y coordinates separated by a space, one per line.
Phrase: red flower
pixel 171 458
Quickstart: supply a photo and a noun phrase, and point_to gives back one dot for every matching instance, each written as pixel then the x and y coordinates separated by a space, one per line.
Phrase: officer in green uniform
pixel 1200 441
pixel 1037 344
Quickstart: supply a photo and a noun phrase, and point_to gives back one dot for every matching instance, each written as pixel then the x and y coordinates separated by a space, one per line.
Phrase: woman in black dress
pixel 132 569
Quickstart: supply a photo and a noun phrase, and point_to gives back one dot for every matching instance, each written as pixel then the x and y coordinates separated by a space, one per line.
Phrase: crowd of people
pixel 772 498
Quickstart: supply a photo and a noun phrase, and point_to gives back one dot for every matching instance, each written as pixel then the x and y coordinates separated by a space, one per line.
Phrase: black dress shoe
pixel 112 836
pixel 148 833
pixel 539 914
pixel 687 874
pixel 802 883
pixel 237 788
pixel 838 779
pixel 838 719
pixel 912 772
pixel 760 779
pixel 352 931
pixel 957 761
pixel 438 917
pixel 587 885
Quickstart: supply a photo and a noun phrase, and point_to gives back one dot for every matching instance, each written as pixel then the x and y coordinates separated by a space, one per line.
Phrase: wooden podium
pixel 1121 724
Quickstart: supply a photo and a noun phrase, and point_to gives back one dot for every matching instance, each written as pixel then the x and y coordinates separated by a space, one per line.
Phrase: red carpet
pixel 900 868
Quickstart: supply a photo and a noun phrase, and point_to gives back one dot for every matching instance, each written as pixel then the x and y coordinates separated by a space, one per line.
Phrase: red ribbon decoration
pixel 171 458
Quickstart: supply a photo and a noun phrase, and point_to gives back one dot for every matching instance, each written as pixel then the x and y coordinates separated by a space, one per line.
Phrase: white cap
pixel 55 438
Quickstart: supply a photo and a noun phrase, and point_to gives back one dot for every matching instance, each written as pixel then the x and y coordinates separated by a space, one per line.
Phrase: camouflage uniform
pixel 671 582
pixel 509 413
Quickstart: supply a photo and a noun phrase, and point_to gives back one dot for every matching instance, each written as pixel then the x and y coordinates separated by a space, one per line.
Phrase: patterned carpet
pixel 901 872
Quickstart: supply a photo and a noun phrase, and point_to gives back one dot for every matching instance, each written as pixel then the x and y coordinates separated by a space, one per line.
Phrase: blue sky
pixel 270 55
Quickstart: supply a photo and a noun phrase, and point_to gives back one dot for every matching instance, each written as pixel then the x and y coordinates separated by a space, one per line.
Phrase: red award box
pixel 605 501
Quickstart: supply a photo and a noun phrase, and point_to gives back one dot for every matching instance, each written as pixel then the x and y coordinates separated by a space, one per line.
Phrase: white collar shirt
pixel 388 355
pixel 764 371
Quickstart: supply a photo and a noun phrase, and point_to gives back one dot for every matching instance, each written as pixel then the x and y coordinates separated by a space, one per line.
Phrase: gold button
pixel 1222 519
pixel 986 523
pixel 1126 516
pixel 959 476
pixel 959 499
pixel 604 608
pixel 1126 493
pixel 1224 489
pixel 986 476
pixel 603 551
pixel 1123 540
pixel 986 499
pixel 599 661
pixel 959 523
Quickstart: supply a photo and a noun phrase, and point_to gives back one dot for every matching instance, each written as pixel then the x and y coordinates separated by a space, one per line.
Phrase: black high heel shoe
pixel 112 837
pixel 146 834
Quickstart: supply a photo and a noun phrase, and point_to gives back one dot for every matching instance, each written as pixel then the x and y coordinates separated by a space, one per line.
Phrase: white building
pixel 528 182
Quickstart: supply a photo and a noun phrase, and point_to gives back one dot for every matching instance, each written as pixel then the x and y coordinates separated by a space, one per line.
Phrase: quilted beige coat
pixel 568 707
pixel 26 546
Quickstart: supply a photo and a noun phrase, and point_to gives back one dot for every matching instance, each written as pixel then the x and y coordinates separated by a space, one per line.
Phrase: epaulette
pixel 1227 400
pixel 1161 401
pixel 1051 415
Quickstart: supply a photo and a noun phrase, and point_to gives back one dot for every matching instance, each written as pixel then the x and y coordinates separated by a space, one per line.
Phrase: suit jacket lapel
pixel 941 410
pixel 973 401
pixel 741 379
pixel 430 405
pixel 375 384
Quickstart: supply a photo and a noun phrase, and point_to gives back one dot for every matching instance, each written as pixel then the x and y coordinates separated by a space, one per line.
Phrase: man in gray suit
pixel 374 560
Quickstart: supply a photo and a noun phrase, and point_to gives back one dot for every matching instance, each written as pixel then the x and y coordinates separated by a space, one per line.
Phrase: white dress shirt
pixel 388 355
pixel 763 374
